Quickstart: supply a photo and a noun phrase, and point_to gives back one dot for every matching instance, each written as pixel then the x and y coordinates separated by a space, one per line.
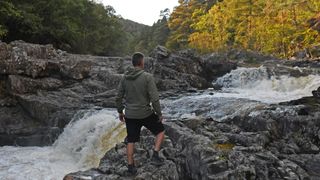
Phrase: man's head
pixel 137 60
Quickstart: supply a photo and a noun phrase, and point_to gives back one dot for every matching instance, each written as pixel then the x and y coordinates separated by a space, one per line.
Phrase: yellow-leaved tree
pixel 281 28
pixel 180 22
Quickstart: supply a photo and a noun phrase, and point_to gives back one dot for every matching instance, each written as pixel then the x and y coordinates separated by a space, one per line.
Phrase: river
pixel 92 132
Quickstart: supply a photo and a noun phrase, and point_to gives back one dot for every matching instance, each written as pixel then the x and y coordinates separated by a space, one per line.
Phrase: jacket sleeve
pixel 154 95
pixel 120 96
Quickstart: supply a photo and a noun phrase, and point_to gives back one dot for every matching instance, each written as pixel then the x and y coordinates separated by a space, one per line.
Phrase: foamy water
pixel 82 144
pixel 90 134
pixel 243 90
pixel 256 84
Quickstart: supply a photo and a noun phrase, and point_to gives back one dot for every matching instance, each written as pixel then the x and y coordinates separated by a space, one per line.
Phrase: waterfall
pixel 243 90
pixel 257 84
pixel 91 133
pixel 82 144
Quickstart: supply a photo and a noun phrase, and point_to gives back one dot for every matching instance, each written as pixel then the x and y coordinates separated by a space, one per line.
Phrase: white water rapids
pixel 243 90
pixel 255 84
pixel 90 134
pixel 81 146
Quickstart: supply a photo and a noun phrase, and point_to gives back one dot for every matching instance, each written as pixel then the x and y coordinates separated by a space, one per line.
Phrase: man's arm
pixel 119 100
pixel 154 96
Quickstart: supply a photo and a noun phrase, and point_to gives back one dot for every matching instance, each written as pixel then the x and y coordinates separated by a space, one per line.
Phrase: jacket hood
pixel 133 73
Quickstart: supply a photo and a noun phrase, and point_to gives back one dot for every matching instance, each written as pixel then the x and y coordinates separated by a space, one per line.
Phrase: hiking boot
pixel 156 160
pixel 132 170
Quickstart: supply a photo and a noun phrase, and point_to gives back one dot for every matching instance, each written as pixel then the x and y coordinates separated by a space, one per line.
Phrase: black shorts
pixel 134 127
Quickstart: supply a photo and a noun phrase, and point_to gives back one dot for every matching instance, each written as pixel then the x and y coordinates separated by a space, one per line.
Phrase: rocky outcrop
pixel 316 93
pixel 241 56
pixel 41 88
pixel 193 70
pixel 276 142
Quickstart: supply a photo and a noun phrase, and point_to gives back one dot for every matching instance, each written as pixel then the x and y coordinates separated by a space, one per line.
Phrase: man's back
pixel 138 89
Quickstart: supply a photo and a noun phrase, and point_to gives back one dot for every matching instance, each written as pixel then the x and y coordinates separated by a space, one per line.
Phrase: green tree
pixel 155 35
pixel 79 26
pixel 7 11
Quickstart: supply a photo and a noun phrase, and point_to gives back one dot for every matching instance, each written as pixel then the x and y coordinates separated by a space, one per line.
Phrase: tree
pixel 7 11
pixel 155 35
pixel 274 27
pixel 181 20
pixel 79 26
pixel 212 30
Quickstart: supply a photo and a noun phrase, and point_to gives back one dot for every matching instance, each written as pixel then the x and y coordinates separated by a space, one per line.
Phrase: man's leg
pixel 158 142
pixel 156 160
pixel 156 127
pixel 130 151
pixel 133 131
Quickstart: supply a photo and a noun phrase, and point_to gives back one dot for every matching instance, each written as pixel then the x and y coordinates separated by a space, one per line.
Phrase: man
pixel 138 89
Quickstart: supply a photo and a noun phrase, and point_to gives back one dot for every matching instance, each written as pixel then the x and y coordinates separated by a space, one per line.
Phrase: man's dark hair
pixel 137 58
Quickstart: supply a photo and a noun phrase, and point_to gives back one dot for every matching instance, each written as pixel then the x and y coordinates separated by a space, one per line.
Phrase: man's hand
pixel 121 117
pixel 160 118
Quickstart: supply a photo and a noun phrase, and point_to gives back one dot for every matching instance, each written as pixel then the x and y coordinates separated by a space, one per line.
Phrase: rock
pixel 200 149
pixel 22 85
pixel 185 70
pixel 76 69
pixel 308 162
pixel 47 86
pixel 42 88
pixel 316 93
pixel 37 137
pixel 160 52
pixel 216 68
pixel 244 57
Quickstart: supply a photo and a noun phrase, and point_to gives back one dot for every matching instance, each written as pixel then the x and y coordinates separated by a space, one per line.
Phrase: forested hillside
pixel 281 28
pixel 144 38
pixel 78 26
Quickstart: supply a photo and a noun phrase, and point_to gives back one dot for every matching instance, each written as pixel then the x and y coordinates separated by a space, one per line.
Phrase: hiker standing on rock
pixel 138 89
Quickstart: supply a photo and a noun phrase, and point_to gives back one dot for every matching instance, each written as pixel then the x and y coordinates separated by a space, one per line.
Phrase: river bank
pixel 226 116
pixel 231 134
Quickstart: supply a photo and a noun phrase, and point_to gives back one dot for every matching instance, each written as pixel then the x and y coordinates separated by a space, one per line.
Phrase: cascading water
pixel 82 144
pixel 243 90
pixel 90 134
pixel 256 84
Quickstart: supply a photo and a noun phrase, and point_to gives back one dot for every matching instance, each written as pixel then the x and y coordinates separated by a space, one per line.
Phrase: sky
pixel 141 11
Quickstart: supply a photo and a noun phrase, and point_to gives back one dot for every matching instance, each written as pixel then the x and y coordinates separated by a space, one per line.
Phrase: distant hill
pixel 144 38
pixel 132 27
pixel 133 32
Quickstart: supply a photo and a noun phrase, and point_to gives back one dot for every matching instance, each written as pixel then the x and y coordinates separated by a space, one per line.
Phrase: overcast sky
pixel 142 11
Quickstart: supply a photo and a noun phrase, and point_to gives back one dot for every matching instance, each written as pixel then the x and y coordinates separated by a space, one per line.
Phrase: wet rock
pixel 316 93
pixel 76 69
pixel 47 86
pixel 21 85
pixel 214 68
pixel 41 88
pixel 160 52
pixel 200 149
pixel 242 56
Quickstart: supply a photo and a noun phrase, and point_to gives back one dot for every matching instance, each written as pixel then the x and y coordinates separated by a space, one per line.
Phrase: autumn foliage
pixel 281 28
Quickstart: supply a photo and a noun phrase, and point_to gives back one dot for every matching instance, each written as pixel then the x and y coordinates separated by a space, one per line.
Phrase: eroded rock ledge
pixel 41 88
pixel 276 142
